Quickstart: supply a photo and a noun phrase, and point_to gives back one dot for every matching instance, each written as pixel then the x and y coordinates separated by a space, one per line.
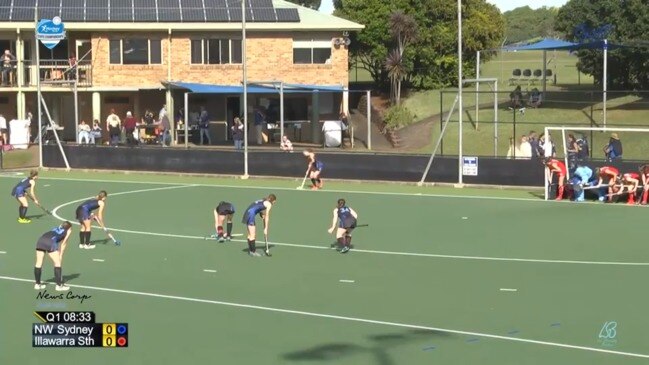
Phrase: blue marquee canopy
pixel 549 44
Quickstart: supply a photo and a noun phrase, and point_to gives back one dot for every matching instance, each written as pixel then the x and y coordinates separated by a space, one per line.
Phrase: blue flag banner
pixel 50 32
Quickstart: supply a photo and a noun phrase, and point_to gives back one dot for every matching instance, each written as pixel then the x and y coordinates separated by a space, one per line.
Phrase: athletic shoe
pixel 228 238
pixel 221 239
pixel 82 246
pixel 345 249
pixel 24 220
pixel 90 247
pixel 39 286
pixel 254 254
pixel 62 287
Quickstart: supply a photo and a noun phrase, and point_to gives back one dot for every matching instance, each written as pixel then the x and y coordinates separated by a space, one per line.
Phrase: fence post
pixel 441 121
pixel 514 133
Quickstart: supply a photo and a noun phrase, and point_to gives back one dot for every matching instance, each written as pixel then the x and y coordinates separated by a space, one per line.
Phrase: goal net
pixel 591 147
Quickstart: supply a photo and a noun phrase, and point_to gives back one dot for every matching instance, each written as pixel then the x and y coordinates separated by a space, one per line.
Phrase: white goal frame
pixel 563 130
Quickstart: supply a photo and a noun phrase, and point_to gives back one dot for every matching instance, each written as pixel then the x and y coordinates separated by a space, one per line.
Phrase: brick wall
pixel 269 57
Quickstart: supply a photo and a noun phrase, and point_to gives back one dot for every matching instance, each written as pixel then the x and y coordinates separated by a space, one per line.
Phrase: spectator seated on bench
pixel 516 100
pixel 95 133
pixel 84 133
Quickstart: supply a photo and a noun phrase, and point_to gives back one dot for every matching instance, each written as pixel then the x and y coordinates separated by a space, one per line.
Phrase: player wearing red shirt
pixel 644 172
pixel 559 168
pixel 611 174
pixel 630 182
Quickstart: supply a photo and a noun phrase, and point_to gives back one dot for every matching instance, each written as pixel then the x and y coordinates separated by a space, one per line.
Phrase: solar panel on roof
pixel 260 4
pixel 215 4
pixel 168 11
pixel 121 11
pixel 287 15
pixel 96 11
pixel 145 10
pixel 264 15
pixel 48 9
pixel 22 11
pixel 192 10
pixel 72 10
pixel 216 15
pixel 5 9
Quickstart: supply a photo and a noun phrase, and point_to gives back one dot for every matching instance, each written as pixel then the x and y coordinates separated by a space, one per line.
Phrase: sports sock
pixel 631 197
pixel 219 231
pixel 348 242
pixel 82 237
pixel 645 195
pixel 251 246
pixel 88 233
pixel 37 274
pixel 319 182
pixel 341 241
pixel 313 182
pixel 22 211
pixel 229 229
pixel 58 275
pixel 25 212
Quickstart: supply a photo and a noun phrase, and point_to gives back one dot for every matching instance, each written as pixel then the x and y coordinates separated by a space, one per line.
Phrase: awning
pixel 254 88
pixel 549 44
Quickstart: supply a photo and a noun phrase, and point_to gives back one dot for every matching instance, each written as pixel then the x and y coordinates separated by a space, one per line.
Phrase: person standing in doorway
pixel 130 123
pixel 204 125
pixel 113 126
pixel 164 126
pixel 237 134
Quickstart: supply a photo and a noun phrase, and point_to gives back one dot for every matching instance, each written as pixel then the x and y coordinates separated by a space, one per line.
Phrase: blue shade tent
pixel 548 44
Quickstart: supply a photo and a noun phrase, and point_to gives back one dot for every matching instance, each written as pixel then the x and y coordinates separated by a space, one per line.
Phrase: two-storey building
pixel 122 55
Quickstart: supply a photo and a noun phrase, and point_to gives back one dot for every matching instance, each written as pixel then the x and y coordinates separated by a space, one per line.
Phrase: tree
pixel 626 22
pixel 433 54
pixel 524 23
pixel 313 4
pixel 404 30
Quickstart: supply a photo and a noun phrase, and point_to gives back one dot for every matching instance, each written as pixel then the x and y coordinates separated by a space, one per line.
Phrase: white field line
pixel 209 270
pixel 350 319
pixel 396 253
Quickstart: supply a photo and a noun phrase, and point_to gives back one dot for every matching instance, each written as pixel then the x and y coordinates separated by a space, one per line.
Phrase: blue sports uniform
pixel 345 218
pixel 255 208
pixel 84 210
pixel 225 208
pixel 318 165
pixel 582 175
pixel 21 188
pixel 49 241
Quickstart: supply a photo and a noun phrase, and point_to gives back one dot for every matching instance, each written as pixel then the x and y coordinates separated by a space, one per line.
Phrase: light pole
pixel 245 89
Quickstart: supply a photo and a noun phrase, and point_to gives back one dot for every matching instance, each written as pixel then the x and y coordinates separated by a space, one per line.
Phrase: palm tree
pixel 403 28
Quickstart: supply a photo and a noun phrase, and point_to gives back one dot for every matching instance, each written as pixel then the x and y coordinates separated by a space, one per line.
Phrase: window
pixel 216 51
pixel 135 51
pixel 311 52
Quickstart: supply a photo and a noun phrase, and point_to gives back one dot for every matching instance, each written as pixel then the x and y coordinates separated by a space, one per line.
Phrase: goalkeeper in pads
pixel 346 218
pixel 583 176
pixel 224 211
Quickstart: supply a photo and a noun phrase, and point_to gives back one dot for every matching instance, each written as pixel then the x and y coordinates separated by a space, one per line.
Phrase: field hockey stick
pixel 362 225
pixel 267 251
pixel 110 235
pixel 40 206
pixel 303 180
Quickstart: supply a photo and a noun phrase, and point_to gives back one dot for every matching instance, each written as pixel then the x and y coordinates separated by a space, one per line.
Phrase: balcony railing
pixel 57 73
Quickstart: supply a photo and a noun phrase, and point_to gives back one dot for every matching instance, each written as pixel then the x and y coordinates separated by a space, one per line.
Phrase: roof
pixel 170 14
pixel 548 44
pixel 266 88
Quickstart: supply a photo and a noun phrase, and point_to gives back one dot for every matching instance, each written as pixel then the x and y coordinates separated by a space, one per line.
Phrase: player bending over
pixel 610 174
pixel 261 207
pixel 559 168
pixel 346 218
pixel 85 215
pixel 21 190
pixel 222 212
pixel 314 169
pixel 629 183
pixel 644 172
pixel 53 243
pixel 582 177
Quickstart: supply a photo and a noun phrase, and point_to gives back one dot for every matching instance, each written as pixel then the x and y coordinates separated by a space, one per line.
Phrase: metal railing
pixel 57 72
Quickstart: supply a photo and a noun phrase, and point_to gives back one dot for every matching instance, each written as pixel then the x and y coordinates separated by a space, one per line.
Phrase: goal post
pixel 557 137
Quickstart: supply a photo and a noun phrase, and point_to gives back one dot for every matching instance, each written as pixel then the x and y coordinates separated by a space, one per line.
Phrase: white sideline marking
pixel 347 281
pixel 507 289
pixel 208 270
pixel 3 252
pixel 396 253
pixel 343 318
pixel 98 260
pixel 465 217
pixel 45 186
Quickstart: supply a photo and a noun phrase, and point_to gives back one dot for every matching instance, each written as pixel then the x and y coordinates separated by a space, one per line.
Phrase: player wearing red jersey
pixel 559 168
pixel 629 183
pixel 611 175
pixel 644 172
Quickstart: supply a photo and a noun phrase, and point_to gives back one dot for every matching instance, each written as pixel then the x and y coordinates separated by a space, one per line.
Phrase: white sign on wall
pixel 470 166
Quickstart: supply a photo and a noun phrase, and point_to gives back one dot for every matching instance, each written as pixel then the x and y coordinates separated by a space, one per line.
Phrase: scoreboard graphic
pixel 77 329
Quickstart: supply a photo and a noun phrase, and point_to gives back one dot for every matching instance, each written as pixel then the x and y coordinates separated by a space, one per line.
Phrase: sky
pixel 504 5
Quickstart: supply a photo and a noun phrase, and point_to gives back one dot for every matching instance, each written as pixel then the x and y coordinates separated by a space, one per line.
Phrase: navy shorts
pixel 225 209
pixel 18 193
pixel 82 214
pixel 46 245
pixel 348 223
pixel 248 218
pixel 319 166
